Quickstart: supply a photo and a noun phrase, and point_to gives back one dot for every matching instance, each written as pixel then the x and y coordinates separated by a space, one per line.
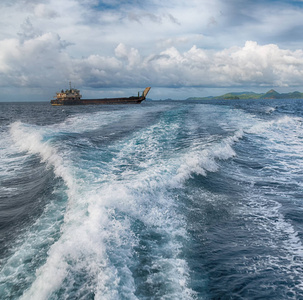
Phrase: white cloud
pixel 42 11
pixel 34 62
pixel 160 43
pixel 43 61
pixel 251 65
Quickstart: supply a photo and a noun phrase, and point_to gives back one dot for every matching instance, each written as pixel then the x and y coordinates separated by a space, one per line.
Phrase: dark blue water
pixel 163 200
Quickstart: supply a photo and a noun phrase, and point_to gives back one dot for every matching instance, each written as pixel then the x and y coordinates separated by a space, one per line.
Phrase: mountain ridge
pixel 271 94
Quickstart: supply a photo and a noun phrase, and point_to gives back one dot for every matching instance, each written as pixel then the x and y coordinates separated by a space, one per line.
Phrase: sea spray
pixel 169 200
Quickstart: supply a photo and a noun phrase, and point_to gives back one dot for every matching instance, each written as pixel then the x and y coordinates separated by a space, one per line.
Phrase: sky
pixel 181 48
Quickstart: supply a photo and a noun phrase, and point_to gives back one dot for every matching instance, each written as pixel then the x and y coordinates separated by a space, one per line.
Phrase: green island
pixel 271 94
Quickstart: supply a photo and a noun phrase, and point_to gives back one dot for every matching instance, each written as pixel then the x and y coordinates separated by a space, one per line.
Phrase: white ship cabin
pixel 71 94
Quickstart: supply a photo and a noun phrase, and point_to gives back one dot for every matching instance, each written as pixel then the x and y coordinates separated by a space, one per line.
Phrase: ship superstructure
pixel 71 94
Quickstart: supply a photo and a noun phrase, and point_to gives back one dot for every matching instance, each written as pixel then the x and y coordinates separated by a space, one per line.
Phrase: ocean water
pixel 163 200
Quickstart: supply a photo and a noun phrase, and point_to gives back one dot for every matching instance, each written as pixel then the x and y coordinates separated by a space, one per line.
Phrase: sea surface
pixel 163 200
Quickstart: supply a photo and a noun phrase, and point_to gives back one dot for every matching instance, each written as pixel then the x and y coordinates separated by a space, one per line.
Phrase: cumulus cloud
pixel 43 61
pixel 33 62
pixel 94 43
pixel 252 65
pixel 42 11
pixel 27 30
pixel 132 55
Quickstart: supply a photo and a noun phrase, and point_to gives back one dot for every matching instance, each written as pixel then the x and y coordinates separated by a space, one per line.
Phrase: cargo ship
pixel 73 97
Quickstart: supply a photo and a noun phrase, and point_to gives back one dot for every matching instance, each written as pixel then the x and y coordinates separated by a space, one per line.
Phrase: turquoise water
pixel 163 200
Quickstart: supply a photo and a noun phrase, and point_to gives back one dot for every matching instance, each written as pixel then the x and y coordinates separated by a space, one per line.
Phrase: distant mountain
pixel 271 94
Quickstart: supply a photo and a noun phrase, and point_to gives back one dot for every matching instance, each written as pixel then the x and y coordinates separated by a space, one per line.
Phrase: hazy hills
pixel 272 94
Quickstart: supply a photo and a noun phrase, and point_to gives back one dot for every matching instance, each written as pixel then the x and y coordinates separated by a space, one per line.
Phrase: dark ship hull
pixel 130 100
pixel 126 100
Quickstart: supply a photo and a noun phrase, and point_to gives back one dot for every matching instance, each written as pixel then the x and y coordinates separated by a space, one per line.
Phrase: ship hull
pixel 105 101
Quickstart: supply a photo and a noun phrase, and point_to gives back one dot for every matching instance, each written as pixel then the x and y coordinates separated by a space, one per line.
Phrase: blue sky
pixel 180 48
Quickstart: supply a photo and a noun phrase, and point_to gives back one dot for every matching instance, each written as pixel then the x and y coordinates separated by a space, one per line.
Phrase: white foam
pixel 275 233
pixel 269 109
pixel 83 122
pixel 103 201
pixel 281 141
pixel 31 141
pixel 204 158
pixel 259 126
pixel 88 224
pixel 11 160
